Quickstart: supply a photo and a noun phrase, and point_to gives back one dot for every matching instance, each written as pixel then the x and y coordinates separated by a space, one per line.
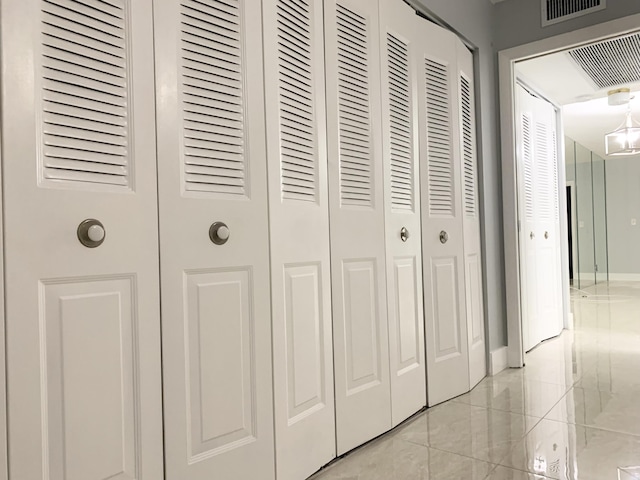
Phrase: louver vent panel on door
pixel 468 148
pixel 353 108
pixel 298 158
pixel 213 97
pixel 85 118
pixel 554 185
pixel 543 162
pixel 527 151
pixel 400 130
pixel 610 63
pixel 439 147
pixel 554 11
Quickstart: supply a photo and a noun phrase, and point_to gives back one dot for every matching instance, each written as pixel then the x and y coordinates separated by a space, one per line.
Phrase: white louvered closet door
pixel 471 217
pixel 442 213
pixel 549 278
pixel 400 30
pixel 83 335
pixel 361 355
pixel 527 216
pixel 216 318
pixel 299 233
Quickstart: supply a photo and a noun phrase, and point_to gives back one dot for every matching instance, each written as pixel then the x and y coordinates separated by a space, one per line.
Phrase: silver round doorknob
pixel 546 235
pixel 91 233
pixel 219 233
pixel 404 234
pixel 444 237
pixel 532 235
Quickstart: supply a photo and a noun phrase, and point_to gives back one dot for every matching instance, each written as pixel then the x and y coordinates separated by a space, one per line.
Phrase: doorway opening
pixel 511 63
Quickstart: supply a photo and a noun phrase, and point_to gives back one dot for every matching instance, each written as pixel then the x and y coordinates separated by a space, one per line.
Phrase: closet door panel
pixel 361 355
pixel 214 241
pixel 471 218
pixel 442 232
pixel 83 343
pixel 299 228
pixel 399 33
pixel 527 194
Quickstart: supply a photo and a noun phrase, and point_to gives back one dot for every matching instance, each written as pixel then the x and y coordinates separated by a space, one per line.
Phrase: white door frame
pixel 506 66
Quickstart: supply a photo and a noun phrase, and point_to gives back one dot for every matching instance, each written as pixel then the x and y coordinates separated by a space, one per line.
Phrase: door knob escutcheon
pixel 219 233
pixel 91 233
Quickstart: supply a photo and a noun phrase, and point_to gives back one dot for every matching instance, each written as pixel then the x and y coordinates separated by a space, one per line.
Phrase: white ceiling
pixel 586 115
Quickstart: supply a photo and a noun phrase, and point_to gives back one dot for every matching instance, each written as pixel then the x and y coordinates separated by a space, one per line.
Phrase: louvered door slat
pixel 542 152
pixel 296 101
pixel 85 92
pixel 439 139
pixel 468 148
pixel 213 100
pixel 554 185
pixel 353 108
pixel 527 144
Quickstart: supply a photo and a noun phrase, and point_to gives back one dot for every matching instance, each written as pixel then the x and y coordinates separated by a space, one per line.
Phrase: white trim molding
pixel 497 360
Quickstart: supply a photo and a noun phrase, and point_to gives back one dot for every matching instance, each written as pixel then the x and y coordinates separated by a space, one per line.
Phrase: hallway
pixel 572 413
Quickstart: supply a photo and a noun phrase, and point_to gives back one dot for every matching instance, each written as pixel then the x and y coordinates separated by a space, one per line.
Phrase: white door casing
pixel 471 217
pixel 218 407
pixel 442 226
pixel 400 30
pixel 83 333
pixel 299 233
pixel 361 351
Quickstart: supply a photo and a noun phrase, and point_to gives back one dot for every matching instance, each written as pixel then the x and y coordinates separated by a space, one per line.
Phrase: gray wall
pixel 623 204
pixel 519 21
pixel 474 20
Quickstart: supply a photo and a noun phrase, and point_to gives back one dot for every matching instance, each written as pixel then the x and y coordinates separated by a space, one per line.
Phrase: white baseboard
pixel 624 277
pixel 497 360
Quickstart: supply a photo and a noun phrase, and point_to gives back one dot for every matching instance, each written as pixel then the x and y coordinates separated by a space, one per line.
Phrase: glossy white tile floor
pixel 572 413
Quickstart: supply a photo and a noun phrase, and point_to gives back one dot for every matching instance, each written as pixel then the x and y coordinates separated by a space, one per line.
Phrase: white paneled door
pixel 474 301
pixel 540 268
pixel 442 212
pixel 299 235
pixel 218 409
pixel 361 355
pixel 400 33
pixel 83 331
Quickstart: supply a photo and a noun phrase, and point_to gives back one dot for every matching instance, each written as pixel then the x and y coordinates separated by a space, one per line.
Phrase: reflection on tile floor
pixel 572 413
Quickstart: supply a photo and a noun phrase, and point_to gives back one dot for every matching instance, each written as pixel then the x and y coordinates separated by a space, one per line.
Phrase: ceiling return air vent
pixel 555 11
pixel 612 62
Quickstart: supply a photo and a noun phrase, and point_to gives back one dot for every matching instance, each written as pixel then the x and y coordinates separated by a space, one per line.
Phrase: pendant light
pixel 624 140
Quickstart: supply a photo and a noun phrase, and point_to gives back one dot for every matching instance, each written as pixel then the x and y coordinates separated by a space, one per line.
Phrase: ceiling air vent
pixel 555 11
pixel 612 62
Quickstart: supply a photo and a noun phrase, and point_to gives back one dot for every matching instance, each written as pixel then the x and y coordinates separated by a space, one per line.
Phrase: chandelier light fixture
pixel 624 140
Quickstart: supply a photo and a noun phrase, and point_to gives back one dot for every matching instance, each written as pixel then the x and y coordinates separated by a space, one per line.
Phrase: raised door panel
pixel 471 217
pixel 299 236
pixel 83 338
pixel 363 402
pixel 90 379
pixel 306 387
pixel 214 258
pixel 400 67
pixel 221 362
pixel 442 224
